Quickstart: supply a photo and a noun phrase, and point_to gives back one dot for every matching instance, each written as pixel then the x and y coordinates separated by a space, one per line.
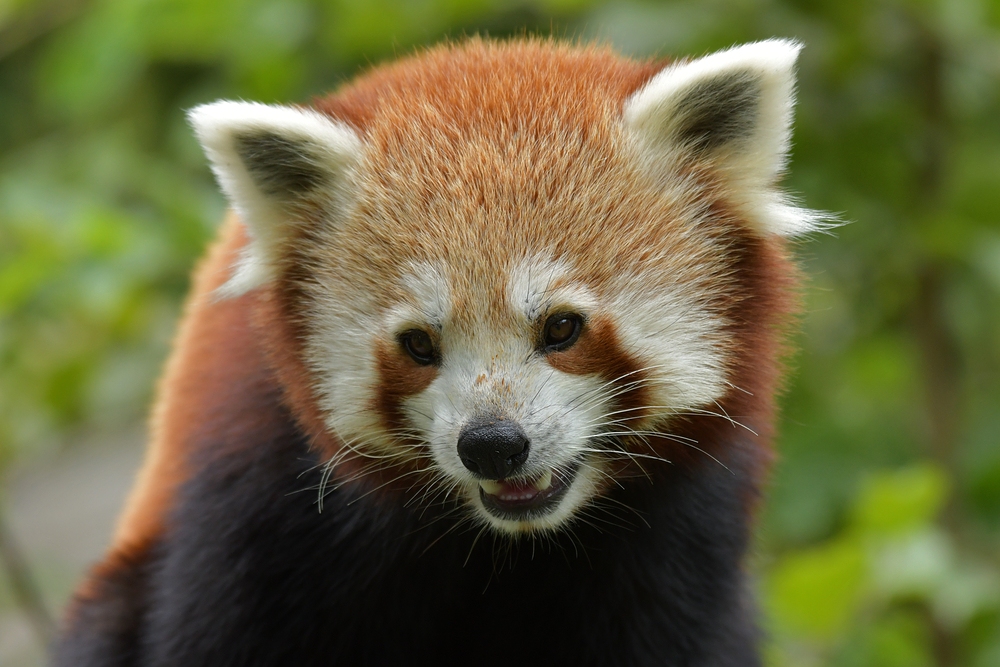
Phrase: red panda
pixel 480 370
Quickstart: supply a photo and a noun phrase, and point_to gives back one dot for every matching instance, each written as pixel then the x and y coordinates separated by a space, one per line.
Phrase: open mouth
pixel 516 500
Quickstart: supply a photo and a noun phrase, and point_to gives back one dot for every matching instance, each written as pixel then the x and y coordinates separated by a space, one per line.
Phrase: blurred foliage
pixel 881 541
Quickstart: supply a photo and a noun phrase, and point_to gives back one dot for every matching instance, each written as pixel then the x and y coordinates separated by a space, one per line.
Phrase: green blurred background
pixel 880 543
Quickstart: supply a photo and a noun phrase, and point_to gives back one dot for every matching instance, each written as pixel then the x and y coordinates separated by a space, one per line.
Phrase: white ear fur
pixel 271 161
pixel 733 110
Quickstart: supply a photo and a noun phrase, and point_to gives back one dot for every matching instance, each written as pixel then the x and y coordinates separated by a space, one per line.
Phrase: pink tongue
pixel 521 490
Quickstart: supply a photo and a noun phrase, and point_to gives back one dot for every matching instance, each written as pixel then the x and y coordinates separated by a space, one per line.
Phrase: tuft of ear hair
pixel 730 111
pixel 275 164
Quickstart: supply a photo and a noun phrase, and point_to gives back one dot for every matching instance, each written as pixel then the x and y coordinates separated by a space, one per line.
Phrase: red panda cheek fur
pixel 599 352
pixel 399 377
pixel 476 156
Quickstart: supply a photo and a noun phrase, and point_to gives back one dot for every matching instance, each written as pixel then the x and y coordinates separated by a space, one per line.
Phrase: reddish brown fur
pixel 399 377
pixel 599 352
pixel 113 562
pixel 535 89
pixel 530 81
pixel 468 179
pixel 203 378
pixel 763 305
pixel 279 322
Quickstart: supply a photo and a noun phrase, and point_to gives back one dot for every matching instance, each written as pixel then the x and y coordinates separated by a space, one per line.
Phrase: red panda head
pixel 514 268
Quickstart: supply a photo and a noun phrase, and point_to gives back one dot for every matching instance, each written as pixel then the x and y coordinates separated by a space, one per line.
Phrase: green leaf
pixel 899 501
pixel 816 592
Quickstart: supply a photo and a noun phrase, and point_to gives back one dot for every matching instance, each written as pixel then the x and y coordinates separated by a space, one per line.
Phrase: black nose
pixel 492 449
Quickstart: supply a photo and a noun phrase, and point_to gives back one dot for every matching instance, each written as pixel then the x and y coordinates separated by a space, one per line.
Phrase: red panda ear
pixel 731 110
pixel 274 163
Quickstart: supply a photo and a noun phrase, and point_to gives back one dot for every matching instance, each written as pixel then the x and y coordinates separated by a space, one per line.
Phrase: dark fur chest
pixel 254 575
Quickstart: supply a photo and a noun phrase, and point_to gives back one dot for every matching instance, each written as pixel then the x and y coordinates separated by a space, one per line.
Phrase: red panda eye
pixel 561 331
pixel 419 346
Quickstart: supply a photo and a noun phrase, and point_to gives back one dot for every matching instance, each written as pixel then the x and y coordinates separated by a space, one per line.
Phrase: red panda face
pixel 514 270
pixel 522 381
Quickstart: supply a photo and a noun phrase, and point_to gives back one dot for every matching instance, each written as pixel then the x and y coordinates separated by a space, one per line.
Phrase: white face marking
pixel 431 295
pixel 540 285
pixel 666 326
pixel 340 351
pixel 489 372
pixel 680 339
pixel 428 305
pixel 506 378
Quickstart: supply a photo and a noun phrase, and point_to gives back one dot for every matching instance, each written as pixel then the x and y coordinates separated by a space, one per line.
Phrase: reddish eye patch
pixel 598 351
pixel 398 380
